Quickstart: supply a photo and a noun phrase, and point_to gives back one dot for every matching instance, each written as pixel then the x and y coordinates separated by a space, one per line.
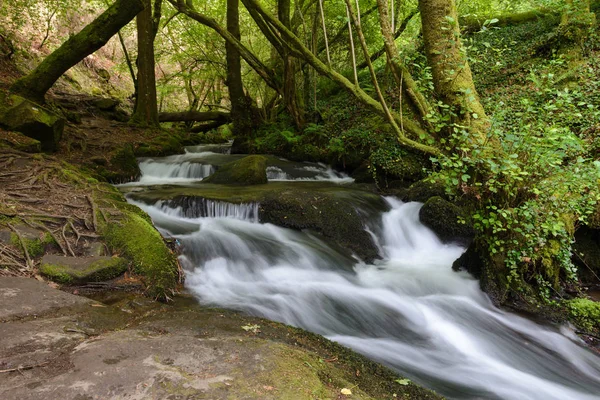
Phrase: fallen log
pixel 194 116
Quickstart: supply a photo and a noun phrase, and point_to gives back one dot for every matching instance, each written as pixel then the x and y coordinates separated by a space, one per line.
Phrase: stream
pixel 409 310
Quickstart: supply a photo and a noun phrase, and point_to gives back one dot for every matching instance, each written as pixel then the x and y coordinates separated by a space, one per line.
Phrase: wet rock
pixel 251 170
pixel 447 220
pixel 72 270
pixel 32 120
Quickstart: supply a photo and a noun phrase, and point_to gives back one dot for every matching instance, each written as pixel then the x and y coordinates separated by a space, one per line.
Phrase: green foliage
pixel 585 313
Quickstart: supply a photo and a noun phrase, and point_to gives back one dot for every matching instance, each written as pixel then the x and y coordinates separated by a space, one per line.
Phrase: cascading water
pixel 154 172
pixel 409 311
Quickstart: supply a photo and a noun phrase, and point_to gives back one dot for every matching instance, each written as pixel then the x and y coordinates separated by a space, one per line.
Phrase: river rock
pixel 32 120
pixel 447 220
pixel 251 170
pixel 70 270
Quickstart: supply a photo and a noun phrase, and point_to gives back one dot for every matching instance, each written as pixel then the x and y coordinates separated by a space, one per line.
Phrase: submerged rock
pixel 71 270
pixel 32 120
pixel 447 220
pixel 251 170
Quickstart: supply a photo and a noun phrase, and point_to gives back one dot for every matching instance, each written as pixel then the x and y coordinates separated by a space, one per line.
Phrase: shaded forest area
pixel 486 111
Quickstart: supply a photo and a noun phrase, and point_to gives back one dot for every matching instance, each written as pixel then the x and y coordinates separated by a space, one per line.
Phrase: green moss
pixel 56 273
pixel 585 313
pixel 249 170
pixel 137 238
pixel 162 145
pixel 35 247
pixel 101 270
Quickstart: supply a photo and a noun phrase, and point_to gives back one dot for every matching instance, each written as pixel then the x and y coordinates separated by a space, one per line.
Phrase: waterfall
pixel 409 311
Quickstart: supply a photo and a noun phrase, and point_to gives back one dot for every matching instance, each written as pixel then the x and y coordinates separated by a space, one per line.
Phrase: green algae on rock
pixel 77 270
pixel 251 170
pixel 139 241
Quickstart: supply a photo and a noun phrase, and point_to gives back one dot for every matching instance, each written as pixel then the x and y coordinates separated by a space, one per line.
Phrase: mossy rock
pixel 35 241
pixel 447 220
pixel 20 142
pixel 106 104
pixel 163 145
pixel 251 170
pixel 122 166
pixel 32 120
pixel 78 270
pixel 423 190
pixel 137 239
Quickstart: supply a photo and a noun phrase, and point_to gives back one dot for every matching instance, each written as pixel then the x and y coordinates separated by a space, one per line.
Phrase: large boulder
pixel 21 115
pixel 251 170
pixel 447 220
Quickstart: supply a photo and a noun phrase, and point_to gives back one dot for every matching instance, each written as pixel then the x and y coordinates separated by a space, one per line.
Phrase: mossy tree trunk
pixel 241 105
pixel 146 106
pixel 452 76
pixel 36 84
pixel 577 20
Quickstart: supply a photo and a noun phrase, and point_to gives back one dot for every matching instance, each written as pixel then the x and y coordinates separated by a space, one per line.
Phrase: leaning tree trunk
pixel 241 108
pixel 452 76
pixel 146 106
pixel 35 85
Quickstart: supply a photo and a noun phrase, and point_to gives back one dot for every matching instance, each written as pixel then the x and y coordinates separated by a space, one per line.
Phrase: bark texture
pixel 146 107
pixel 241 106
pixel 452 76
pixel 35 85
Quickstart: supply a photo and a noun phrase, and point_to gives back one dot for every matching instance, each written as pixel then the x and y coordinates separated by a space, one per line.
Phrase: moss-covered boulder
pixel 423 190
pixel 136 238
pixel 447 220
pixel 35 241
pixel 251 170
pixel 32 120
pixel 78 270
pixel 20 142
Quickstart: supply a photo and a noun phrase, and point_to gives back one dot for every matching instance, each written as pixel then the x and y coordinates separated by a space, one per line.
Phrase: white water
pixel 198 162
pixel 409 311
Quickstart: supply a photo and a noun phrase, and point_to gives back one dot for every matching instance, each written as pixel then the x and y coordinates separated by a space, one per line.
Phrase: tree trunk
pixel 452 76
pixel 576 21
pixel 289 73
pixel 401 73
pixel 241 108
pixel 35 85
pixel 146 107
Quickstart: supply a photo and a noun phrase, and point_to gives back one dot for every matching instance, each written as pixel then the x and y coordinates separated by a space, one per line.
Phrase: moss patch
pixel 20 142
pixel 74 270
pixel 447 220
pixel 251 170
pixel 136 238
pixel 35 247
pixel 585 313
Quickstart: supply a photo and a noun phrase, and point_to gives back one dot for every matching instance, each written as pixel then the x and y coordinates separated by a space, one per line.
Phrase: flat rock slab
pixel 139 349
pixel 24 297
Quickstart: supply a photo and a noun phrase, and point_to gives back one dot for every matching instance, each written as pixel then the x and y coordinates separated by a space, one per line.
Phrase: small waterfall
pixel 277 174
pixel 409 311
pixel 198 207
pixel 170 172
